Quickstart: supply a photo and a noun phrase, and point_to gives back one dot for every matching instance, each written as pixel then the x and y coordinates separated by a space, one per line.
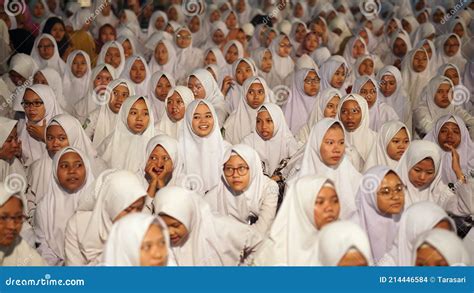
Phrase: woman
pixel 416 73
pixel 10 145
pixel 282 62
pixel 112 53
pixel 49 76
pixel 244 192
pixel 334 73
pixel 55 27
pixel 189 58
pixel 136 70
pixel 175 104
pixel 164 56
pixel 46 54
pixel 77 76
pixel 159 88
pixel 450 50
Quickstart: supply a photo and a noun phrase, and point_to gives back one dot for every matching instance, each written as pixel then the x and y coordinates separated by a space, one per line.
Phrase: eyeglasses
pixel 184 37
pixel 45 46
pixel 311 80
pixel 285 45
pixel 388 192
pixel 16 219
pixel 35 104
pixel 241 170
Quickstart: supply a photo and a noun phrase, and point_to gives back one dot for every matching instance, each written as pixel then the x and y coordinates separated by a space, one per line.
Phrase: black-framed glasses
pixel 241 170
pixel 312 80
pixel 35 104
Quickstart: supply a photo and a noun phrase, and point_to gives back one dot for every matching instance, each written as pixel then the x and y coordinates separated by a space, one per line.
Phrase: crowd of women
pixel 241 132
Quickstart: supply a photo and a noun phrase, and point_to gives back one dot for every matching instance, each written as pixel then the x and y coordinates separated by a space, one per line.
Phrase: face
pixel 34 106
pixel 127 48
pixel 138 72
pixel 266 64
pixel 175 107
pixel 351 115
pixel 46 48
pixel 331 107
pixel 243 72
pixel 298 11
pixel 284 49
pixel 390 195
pixel 265 126
pixel 353 258
pixel 358 49
pixel 423 173
pixel 369 93
pixel 203 121
pixel 218 37
pixel 420 61
pixel 102 80
pixel 58 31
pixel 398 145
pixel 236 172
pixel 197 88
pixel 338 77
pixel 326 207
pixel 107 34
pixel 406 26
pixel 332 146
pixel 210 58
pixel 135 207
pixel 300 33
pixel 56 139
pixel 443 96
pixel 161 163
pixel 428 256
pixel 11 146
pixel 39 78
pixel 458 30
pixel 162 88
pixel 9 230
pixel 16 78
pixel 427 47
pixel 232 54
pixel 119 94
pixel 138 117
pixel 153 251
pixel 231 21
pixel 449 136
pixel 178 232
pixel 366 67
pixel 270 36
pixel 453 75
pixel 451 46
pixel 311 83
pixel 79 66
pixel 437 16
pixel 160 23
pixel 399 47
pixel 388 85
pixel 215 15
pixel 71 172
pixel 183 39
pixel 112 57
pixel 255 95
pixel 38 10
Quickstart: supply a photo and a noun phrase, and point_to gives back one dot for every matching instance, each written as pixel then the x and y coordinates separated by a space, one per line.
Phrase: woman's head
pixel 56 138
pixel 11 145
pixel 398 144
pixel 451 45
pixel 195 85
pixel 332 146
pixel 102 80
pixel 443 95
pixel 420 60
pixel 369 91
pixel 113 56
pixel 232 53
pixel 255 95
pixel 71 170
pixel 138 71
pixel 153 249
pixel 236 173
pixel 243 71
pixel 265 126
pixel 138 117
pixel 33 104
pixel 79 65
pixel 46 47
pixel 326 206
pixel 330 109
pixel 311 83
pixel 11 216
pixel 202 120
pixel 390 194
pixel 284 47
pixel 178 232
pixel 449 136
pixel 350 114
pixel 183 38
pixel 366 67
pixel 161 53
pixel 107 33
pixel 175 107
pixel 388 84
pixel 339 77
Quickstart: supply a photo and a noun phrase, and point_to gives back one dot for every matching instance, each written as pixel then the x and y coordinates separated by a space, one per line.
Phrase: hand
pixel 227 84
pixel 36 131
pixel 456 164
pixel 157 179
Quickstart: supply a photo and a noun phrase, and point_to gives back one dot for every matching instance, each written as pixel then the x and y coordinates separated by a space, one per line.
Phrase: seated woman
pixel 244 192
pixel 137 240
pixel 172 121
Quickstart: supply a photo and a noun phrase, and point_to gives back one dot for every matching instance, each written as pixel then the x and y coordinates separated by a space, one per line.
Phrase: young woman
pixel 232 86
pixel 136 70
pixel 49 76
pixel 77 76
pixel 175 104
pixel 334 73
pixel 188 57
pixel 450 50
pixel 112 53
pixel 282 62
pixel 46 54
pixel 10 146
pixel 416 73
pixel 164 56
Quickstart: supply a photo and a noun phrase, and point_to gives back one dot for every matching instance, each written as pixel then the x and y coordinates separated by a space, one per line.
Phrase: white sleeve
pixel 72 251
pixel 44 250
pixel 422 120
pixel 267 208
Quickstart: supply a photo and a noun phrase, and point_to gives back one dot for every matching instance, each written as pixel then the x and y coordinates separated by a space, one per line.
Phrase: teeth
pixel 204 127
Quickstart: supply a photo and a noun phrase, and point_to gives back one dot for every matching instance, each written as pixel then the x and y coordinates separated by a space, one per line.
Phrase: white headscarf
pixel 299 105
pixel 399 100
pixel 338 238
pixel 22 64
pixel 427 98
pixel 350 47
pixel 212 240
pixel 170 64
pixel 413 81
pixel 124 243
pixel 240 54
pixel 381 228
pixel 141 89
pixel 58 205
pixel 447 243
pixel 363 137
pixel 281 146
pixel 188 59
pixel 33 149
pixel 441 56
pixel 123 149
pixel 242 121
pixel 317 112
pixel 54 81
pixel 101 19
pixel 216 25
pixel 378 154
pixel 54 62
pixel 423 31
pixel 75 88
pixel 293 238
pixel 283 66
pixel 465 148
pixel 233 96
pixel 151 24
pixel 416 219
pixel 202 155
pixel 328 69
pixel 119 190
pixel 220 60
pixel 103 52
pixel 159 107
pixel 345 177
pixel 14 166
pixel 174 129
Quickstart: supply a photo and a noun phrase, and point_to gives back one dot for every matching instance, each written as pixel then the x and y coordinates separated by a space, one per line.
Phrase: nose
pixel 10 225
pixel 422 176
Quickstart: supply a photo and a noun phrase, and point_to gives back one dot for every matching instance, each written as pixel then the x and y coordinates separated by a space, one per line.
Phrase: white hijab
pixel 54 81
pixel 338 238
pixel 202 155
pixel 345 177
pixel 58 205
pixel 378 154
pixel 427 98
pixel 283 66
pixel 107 119
pixel 350 47
pixel 119 189
pixel 293 238
pixel 381 228
pixel 317 113
pixel 328 69
pixel 54 62
pixel 399 100
pixel 123 149
pixel 75 88
pixel 217 25
pixel 159 107
pixel 188 59
pixel 281 146
pixel 8 167
pixel 242 121
pixel 124 243
pixel 233 96
pixel 103 52
pixel 141 88
pixel 212 240
pixel 220 60
pixel 299 104
pixel 151 24
pixel 413 81
pixel 441 56
pixel 166 125
pixel 169 66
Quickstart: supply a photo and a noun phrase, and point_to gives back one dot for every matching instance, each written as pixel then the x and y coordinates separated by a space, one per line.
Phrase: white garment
pixel 338 238
pixel 169 66
pixel 258 199
pixel 166 125
pixel 141 89
pixel 283 66
pixel 152 23
pixel 103 51
pixel 212 240
pixel 328 69
pixel 442 58
pixel 413 81
pixel 233 96
pixel 75 88
pixel 54 80
pixel 158 106
pixel 54 62
pixel 350 47
pixel 188 59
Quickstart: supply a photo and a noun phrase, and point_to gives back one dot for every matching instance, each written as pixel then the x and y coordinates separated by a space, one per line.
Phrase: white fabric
pixel 103 52
pixel 54 81
pixel 158 107
pixel 166 125
pixel 54 62
pixel 141 89
pixel 442 58
pixel 233 96
pixel 350 47
pixel 283 66
pixel 328 69
pixel 151 25
pixel 169 66
pixel 413 81
pixel 75 88
pixel 188 59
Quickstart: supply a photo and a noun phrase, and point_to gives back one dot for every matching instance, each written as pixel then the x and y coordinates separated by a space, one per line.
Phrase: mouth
pixel 396 205
pixel 72 180
pixel 336 158
pixel 330 219
pixel 139 126
pixel 158 170
pixel 174 239
pixel 203 127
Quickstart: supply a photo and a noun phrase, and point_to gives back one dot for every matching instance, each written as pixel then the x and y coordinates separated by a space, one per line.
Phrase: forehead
pixel 202 108
pixel 235 159
pixel 31 95
pixel 350 104
pixel 450 125
pixel 70 156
